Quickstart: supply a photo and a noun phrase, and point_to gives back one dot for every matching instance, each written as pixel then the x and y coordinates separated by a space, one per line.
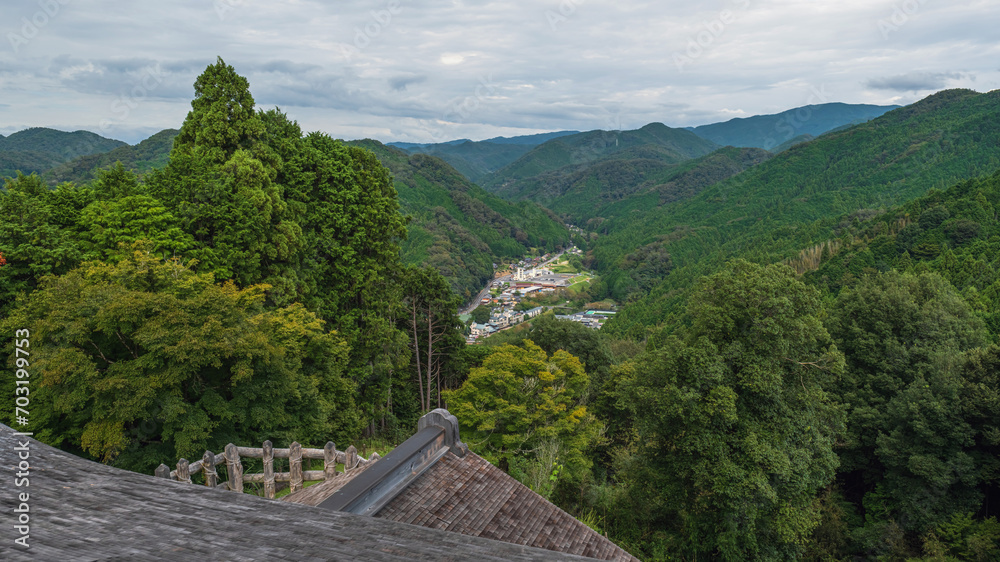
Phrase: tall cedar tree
pixel 220 183
pixel 317 221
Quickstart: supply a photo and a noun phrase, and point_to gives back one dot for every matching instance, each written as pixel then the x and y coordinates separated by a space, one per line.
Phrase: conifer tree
pixel 220 183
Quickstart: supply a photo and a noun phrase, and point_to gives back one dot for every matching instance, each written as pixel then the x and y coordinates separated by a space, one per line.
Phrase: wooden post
pixel 268 470
pixel 183 472
pixel 329 460
pixel 235 468
pixel 350 458
pixel 208 466
pixel 163 471
pixel 295 466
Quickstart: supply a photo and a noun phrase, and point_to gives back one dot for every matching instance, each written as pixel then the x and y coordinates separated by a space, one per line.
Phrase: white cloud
pixel 402 70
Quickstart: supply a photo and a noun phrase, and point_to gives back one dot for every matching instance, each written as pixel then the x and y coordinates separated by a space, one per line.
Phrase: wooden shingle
pixel 472 497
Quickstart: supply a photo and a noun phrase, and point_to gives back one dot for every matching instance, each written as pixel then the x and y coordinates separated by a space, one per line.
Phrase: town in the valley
pixel 525 281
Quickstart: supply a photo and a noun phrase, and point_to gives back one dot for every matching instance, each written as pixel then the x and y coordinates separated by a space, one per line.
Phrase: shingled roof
pixel 460 492
pixel 82 510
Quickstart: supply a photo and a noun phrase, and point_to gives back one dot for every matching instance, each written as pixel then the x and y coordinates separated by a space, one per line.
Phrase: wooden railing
pixel 295 476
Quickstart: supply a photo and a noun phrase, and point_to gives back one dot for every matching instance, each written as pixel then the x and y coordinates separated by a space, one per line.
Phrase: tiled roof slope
pixel 82 510
pixel 472 497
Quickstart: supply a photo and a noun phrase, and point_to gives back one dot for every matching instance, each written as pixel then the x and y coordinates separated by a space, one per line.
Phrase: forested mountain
pixel 771 131
pixel 652 142
pixel 771 211
pixel 620 186
pixel 149 154
pixel 954 233
pixel 530 140
pixel 477 159
pixel 39 149
pixel 457 227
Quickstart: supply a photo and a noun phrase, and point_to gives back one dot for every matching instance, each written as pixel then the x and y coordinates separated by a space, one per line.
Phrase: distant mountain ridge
pixel 150 154
pixel 530 140
pixel 771 131
pixel 655 141
pixel 38 149
pixel 476 159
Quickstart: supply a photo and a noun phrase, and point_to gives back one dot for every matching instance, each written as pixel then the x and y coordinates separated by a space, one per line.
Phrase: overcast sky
pixel 434 70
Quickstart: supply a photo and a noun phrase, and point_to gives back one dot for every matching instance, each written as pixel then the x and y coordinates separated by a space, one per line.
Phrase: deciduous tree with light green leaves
pixel 522 398
pixel 736 429
pixel 145 360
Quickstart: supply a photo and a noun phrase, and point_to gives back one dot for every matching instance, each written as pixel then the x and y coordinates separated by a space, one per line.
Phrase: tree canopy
pixel 146 359
pixel 519 399
pixel 736 429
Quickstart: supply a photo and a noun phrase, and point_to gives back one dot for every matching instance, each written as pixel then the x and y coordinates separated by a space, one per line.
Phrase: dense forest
pixel 806 365
pixel 773 210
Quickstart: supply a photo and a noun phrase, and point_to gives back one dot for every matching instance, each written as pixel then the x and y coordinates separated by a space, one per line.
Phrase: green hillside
pixel 457 227
pixel 37 149
pixel 770 131
pixel 26 161
pixel 955 233
pixel 654 141
pixel 771 211
pixel 620 186
pixel 149 154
